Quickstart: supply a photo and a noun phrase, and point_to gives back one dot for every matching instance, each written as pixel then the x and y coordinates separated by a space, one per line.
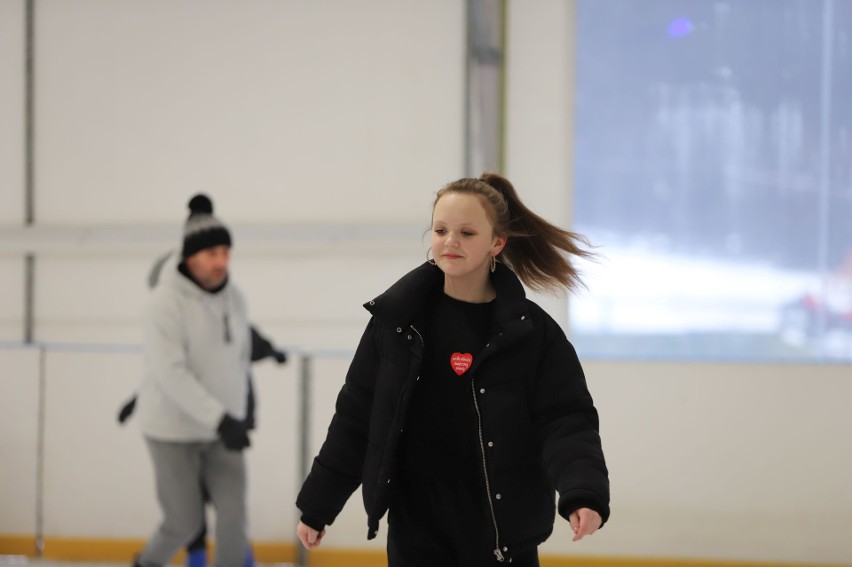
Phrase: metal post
pixel 29 113
pixel 39 503
pixel 29 298
pixel 29 164
pixel 484 86
pixel 303 558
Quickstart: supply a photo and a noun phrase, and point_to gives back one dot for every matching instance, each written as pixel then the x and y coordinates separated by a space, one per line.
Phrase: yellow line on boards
pixel 120 550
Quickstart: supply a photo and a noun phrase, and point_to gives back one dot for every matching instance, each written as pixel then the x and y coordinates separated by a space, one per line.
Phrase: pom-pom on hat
pixel 202 230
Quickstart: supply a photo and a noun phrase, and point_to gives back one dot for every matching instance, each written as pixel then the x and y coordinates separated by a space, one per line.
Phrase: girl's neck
pixel 480 290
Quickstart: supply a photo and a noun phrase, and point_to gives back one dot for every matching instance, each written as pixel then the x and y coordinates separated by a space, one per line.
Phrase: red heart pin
pixel 460 362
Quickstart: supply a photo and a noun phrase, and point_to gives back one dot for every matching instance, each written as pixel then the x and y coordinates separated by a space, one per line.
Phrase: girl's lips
pixel 452 256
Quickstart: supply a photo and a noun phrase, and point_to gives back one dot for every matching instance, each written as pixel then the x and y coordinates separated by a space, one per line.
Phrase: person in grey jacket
pixel 192 402
pixel 465 410
pixel 261 349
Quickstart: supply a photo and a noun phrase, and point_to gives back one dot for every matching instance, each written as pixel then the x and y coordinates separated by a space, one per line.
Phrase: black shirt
pixel 440 435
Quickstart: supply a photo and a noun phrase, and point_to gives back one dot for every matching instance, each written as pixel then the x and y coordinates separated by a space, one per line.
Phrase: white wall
pixel 322 130
pixel 12 112
pixel 286 111
pixel 725 461
pixel 19 419
pixel 11 162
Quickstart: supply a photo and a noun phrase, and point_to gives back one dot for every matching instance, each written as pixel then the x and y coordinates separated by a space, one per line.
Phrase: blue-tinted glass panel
pixel 713 167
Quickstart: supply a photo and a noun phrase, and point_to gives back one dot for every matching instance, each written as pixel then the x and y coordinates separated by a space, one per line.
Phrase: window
pixel 713 168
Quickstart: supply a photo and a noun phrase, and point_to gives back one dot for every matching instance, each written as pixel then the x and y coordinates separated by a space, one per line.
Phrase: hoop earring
pixel 428 259
pixel 493 266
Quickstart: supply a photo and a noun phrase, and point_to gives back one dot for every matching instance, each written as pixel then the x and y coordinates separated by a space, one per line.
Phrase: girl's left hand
pixel 584 521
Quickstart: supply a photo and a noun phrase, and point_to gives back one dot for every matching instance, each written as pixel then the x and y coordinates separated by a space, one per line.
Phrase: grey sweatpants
pixel 180 468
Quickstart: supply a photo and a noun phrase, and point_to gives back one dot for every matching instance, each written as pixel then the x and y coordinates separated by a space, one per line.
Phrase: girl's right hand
pixel 309 537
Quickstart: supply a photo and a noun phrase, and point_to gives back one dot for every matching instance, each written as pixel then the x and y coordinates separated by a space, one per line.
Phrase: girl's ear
pixel 499 244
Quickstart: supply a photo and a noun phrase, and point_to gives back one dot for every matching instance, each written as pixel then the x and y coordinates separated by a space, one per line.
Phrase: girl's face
pixel 463 239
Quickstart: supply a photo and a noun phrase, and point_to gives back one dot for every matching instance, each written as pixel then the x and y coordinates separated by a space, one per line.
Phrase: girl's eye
pixel 466 233
pixel 439 231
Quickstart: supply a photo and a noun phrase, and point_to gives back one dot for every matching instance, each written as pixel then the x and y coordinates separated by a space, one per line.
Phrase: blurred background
pixel 703 147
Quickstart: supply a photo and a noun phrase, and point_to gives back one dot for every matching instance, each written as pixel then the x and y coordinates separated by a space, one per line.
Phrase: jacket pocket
pixel 525 506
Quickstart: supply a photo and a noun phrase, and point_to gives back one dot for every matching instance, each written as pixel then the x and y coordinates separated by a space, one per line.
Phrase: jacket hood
pixel 167 259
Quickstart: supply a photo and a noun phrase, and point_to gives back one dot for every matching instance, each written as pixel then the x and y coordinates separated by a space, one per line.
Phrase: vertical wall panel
pixel 12 298
pixel 98 478
pixel 539 104
pixel 12 53
pixel 91 297
pixel 289 111
pixel 538 108
pixel 700 454
pixel 272 464
pixel 18 440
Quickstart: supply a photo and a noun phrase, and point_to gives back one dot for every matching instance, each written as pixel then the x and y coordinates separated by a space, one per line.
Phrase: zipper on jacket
pixel 497 553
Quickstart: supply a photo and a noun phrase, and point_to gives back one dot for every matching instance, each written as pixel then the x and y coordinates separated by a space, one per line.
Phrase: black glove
pixel 126 410
pixel 233 433
pixel 262 348
pixel 280 356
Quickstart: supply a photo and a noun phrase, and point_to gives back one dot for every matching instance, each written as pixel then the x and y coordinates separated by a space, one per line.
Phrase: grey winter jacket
pixel 196 370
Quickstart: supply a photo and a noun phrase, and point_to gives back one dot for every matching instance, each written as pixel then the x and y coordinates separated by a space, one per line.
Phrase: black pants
pixel 443 521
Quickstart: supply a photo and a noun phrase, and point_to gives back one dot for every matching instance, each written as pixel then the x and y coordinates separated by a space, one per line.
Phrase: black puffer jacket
pixel 539 427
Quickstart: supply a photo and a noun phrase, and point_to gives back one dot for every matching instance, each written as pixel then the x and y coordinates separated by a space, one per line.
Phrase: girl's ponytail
pixel 537 251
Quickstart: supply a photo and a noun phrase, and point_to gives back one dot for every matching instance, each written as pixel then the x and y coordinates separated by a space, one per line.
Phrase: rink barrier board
pixel 117 550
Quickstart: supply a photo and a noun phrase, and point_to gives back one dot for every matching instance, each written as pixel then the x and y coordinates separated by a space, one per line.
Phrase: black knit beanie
pixel 202 230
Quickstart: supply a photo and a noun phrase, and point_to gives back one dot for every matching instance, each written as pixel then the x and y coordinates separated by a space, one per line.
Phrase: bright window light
pixel 713 170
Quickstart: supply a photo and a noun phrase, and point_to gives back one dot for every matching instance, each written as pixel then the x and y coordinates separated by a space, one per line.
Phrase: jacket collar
pixel 405 300
pixel 402 302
